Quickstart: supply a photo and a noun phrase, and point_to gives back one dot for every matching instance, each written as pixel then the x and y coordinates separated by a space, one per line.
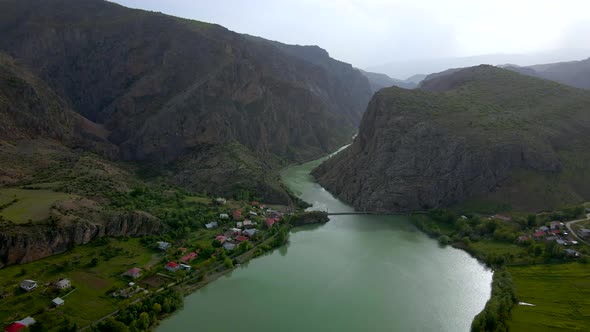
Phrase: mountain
pixel 379 81
pixel 407 68
pixel 480 135
pixel 574 73
pixel 205 107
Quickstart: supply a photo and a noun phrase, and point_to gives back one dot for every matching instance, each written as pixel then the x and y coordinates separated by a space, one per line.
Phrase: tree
pixel 143 321
pixel 531 220
pixel 228 263
pixel 157 307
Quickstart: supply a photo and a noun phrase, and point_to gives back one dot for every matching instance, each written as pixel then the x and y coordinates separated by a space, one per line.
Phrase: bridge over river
pixel 377 213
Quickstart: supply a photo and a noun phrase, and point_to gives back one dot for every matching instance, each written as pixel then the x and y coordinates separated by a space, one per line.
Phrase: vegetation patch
pixel 24 205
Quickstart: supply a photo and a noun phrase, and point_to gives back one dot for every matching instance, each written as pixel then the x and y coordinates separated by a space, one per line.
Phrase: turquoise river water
pixel 355 273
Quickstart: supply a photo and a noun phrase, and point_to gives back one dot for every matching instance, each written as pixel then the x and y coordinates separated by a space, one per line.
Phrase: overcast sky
pixel 372 32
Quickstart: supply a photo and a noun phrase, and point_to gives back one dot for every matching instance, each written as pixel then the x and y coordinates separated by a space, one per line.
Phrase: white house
pixel 28 285
pixel 58 301
pixel 212 225
pixel 163 245
pixel 224 216
pixel 62 284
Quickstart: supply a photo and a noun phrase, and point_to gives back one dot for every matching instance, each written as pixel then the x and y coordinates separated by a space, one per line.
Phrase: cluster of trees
pixel 497 310
pixel 142 315
pixel 170 206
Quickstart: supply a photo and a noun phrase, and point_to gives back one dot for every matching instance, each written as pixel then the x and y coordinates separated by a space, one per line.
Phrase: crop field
pixel 560 294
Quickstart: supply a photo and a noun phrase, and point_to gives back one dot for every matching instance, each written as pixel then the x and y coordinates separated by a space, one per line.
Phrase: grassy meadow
pixel 91 298
pixel 560 293
pixel 24 205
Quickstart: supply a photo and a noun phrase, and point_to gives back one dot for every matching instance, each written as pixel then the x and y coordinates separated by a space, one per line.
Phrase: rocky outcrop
pixel 26 243
pixel 475 132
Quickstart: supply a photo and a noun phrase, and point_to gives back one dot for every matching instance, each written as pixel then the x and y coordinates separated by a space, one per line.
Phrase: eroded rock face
pixel 418 150
pixel 27 243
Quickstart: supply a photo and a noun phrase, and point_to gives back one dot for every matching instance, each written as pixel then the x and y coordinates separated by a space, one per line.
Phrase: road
pixel 569 228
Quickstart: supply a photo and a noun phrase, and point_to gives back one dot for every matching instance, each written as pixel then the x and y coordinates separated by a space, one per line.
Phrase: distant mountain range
pixel 482 135
pixel 406 68
pixel 379 81
pixel 574 73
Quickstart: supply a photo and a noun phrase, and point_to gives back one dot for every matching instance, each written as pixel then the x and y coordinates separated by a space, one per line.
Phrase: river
pixel 355 273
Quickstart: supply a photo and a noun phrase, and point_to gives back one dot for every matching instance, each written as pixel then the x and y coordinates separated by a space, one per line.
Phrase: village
pixel 564 235
pixel 235 236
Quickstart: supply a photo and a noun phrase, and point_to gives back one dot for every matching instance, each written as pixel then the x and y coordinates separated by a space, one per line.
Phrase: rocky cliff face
pixel 164 87
pixel 27 243
pixel 472 133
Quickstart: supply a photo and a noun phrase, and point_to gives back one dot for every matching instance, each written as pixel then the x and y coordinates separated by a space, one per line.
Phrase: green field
pixel 560 293
pixel 32 205
pixel 90 299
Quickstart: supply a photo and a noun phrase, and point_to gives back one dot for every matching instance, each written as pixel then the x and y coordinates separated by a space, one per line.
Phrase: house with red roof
pixel 16 326
pixel 555 231
pixel 539 234
pixel 254 203
pixel 133 273
pixel 171 266
pixel 241 238
pixel 237 215
pixel 189 258
pixel 20 324
pixel 270 222
pixel 220 238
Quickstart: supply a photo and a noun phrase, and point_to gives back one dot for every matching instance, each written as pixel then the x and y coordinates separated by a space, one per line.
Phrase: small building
pixel 224 216
pixel 247 223
pixel 20 324
pixel 14 327
pixel 555 231
pixel 237 215
pixel 229 246
pixel 253 214
pixel 220 201
pixel 250 232
pixel 185 267
pixel 554 225
pixel 28 285
pixel 255 204
pixel 584 232
pixel 163 245
pixel 544 228
pixel 236 231
pixel 212 225
pixel 133 273
pixel 62 284
pixel 189 257
pixel 522 238
pixel 171 266
pixel 241 238
pixel 539 234
pixel 561 242
pixel 58 301
pixel 239 224
pixel 270 222
pixel 571 253
pixel 220 238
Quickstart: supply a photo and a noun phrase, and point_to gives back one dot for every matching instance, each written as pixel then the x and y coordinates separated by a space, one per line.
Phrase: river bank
pixel 323 268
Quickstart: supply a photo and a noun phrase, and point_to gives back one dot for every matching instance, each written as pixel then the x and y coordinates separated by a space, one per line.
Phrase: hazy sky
pixel 372 32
